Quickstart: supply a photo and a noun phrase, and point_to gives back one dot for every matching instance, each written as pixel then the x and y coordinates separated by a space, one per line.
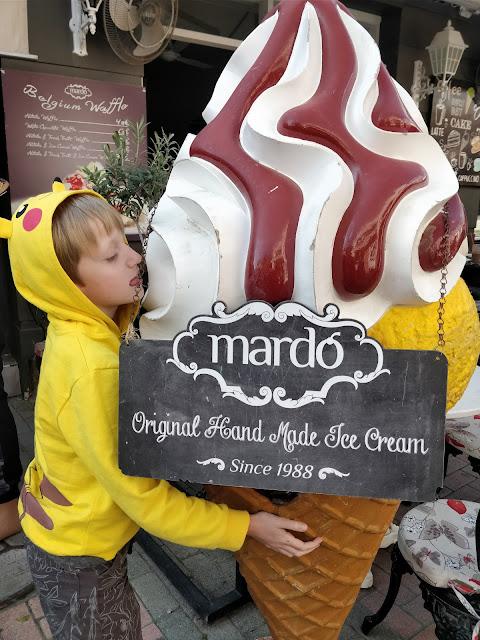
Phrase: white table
pixel 469 403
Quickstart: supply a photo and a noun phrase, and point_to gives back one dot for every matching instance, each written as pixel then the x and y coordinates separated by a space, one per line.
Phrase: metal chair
pixel 439 543
pixel 462 435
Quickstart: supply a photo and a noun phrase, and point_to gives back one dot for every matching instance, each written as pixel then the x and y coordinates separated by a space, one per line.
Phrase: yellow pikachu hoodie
pixel 75 500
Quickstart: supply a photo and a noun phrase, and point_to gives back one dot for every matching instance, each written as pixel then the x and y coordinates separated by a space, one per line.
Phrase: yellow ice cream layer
pixel 417 328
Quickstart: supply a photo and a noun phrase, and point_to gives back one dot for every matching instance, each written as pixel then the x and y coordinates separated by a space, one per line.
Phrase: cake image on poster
pixel 314 180
pixel 78 179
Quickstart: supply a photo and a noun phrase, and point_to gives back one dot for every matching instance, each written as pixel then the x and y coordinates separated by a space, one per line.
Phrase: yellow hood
pixel 37 273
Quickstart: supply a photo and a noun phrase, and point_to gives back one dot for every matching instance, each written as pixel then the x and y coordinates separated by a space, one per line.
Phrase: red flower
pixel 76 182
pixel 457 505
pixel 454 442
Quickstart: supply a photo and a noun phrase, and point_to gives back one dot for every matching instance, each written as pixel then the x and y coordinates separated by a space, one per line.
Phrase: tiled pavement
pixel 167 616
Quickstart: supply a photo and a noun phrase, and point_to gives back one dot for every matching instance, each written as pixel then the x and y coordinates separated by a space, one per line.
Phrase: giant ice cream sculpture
pixel 315 180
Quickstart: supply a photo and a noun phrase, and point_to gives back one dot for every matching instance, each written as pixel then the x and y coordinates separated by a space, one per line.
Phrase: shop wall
pixel 51 40
pixel 418 27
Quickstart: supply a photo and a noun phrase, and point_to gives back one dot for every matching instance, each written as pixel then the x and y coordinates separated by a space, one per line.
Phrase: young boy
pixel 78 511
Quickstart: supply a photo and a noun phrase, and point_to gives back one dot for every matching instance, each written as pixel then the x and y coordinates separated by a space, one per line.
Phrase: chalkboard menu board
pixel 283 399
pixel 455 124
pixel 56 124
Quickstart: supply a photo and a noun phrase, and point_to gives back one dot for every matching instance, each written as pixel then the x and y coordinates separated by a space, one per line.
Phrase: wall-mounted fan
pixel 139 30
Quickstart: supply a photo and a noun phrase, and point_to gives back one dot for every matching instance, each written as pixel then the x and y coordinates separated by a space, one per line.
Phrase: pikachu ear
pixel 6 228
pixel 58 185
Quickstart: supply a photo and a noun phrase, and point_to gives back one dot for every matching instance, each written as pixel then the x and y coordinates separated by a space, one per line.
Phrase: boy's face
pixel 109 272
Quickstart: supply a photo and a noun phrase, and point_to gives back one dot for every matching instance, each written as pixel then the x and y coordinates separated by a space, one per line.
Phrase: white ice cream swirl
pixel 200 246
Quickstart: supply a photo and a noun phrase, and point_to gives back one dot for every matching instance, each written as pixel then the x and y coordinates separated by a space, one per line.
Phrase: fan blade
pixel 124 15
pixel 194 63
pixel 152 37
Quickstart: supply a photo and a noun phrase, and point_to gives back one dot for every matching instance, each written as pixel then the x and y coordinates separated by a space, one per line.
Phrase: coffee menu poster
pixel 55 125
pixel 455 125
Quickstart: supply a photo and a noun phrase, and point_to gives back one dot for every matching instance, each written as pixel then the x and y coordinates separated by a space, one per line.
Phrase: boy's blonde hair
pixel 72 228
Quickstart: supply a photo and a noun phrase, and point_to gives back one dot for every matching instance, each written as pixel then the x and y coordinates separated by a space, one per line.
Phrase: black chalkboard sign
pixel 283 399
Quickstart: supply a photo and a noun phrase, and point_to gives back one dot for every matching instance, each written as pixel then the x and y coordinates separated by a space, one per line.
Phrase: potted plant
pixel 132 177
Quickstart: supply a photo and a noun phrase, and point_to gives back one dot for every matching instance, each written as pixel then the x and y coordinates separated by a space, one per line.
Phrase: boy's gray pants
pixel 85 598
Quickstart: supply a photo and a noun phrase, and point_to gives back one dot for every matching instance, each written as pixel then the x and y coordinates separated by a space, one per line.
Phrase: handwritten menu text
pixel 56 124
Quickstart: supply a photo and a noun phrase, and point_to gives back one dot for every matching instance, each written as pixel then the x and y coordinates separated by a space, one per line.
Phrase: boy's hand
pixel 272 531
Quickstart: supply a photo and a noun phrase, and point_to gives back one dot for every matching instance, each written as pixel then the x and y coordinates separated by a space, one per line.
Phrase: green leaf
pixel 23 618
pixel 132 179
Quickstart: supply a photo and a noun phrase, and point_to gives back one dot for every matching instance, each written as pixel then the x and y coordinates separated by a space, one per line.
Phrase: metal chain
pixel 445 246
pixel 131 333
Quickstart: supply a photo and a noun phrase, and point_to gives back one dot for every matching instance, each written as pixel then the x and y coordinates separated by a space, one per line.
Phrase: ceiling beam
pixel 205 39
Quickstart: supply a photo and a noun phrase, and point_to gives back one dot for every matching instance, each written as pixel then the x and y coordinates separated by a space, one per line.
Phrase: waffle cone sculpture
pixel 310 597
pixel 315 180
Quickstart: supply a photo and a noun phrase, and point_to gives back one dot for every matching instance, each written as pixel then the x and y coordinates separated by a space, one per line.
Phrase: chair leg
pixel 475 462
pixel 399 567
pixel 451 623
pixel 450 450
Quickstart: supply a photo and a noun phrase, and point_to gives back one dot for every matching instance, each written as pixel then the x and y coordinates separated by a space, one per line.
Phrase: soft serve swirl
pixel 315 180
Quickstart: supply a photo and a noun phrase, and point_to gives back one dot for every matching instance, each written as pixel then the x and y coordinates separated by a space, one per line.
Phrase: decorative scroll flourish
pixel 218 462
pixel 322 474
pixel 281 313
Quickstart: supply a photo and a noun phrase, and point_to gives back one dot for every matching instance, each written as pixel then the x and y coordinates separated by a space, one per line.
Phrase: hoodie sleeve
pixel 89 423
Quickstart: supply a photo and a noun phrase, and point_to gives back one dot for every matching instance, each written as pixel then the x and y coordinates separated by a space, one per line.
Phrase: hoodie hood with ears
pixel 37 273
